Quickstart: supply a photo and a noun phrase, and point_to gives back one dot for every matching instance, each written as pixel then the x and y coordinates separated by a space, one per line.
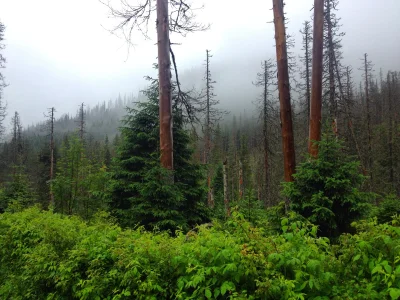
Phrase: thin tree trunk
pixel 51 156
pixel 210 196
pixel 332 100
pixel 207 140
pixel 395 127
pixel 240 180
pixel 317 67
pixel 368 117
pixel 265 135
pixel 390 104
pixel 289 156
pixel 207 146
pixel 226 199
pixel 308 92
pixel 164 75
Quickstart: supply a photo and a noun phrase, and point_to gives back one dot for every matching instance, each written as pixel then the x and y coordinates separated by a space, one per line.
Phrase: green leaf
pixel 394 293
pixel 388 268
pixel 217 292
pixel 227 286
pixel 207 293
pixel 378 268
pixel 357 257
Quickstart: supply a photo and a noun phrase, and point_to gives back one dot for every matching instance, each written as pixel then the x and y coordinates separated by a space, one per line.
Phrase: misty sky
pixel 59 53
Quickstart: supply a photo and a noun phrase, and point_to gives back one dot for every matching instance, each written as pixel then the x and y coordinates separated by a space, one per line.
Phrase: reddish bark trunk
pixel 164 75
pixel 316 82
pixel 284 91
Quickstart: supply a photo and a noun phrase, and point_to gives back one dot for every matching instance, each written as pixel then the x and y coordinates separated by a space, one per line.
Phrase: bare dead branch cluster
pixel 137 14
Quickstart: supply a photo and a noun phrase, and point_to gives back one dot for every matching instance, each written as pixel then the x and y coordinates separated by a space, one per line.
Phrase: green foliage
pixel 326 189
pixel 17 194
pixel 80 186
pixel 389 207
pixel 142 192
pixel 50 256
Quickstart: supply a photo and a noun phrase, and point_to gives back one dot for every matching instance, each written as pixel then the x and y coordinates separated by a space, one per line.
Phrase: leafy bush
pixel 51 256
pixel 389 207
pixel 326 191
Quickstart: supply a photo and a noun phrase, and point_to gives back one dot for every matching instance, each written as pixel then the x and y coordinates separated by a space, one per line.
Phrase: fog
pixel 60 53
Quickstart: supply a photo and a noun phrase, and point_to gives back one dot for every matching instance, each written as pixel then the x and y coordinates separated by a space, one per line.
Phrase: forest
pixel 165 194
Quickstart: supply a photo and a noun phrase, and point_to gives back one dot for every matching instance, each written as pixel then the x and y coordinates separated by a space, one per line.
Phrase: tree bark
pixel 331 53
pixel 164 75
pixel 51 156
pixel 390 120
pixel 226 199
pixel 316 82
pixel 240 180
pixel 284 92
pixel 367 100
pixel 265 135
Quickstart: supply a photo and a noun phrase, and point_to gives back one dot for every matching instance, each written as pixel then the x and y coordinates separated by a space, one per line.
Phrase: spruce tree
pixel 141 191
pixel 327 188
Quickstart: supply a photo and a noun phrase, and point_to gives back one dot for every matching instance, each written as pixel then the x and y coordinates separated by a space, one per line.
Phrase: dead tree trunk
pixel 390 129
pixel 395 127
pixel 52 110
pixel 81 122
pixel 367 68
pixel 265 133
pixel 317 68
pixel 164 75
pixel 226 199
pixel 208 125
pixel 284 91
pixel 307 38
pixel 331 53
pixel 207 146
pixel 240 180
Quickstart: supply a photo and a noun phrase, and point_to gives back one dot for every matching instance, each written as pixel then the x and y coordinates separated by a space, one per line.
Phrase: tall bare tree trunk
pixel 207 146
pixel 226 199
pixel 265 135
pixel 240 180
pixel 390 107
pixel 307 36
pixel 81 122
pixel 164 76
pixel 396 130
pixel 366 69
pixel 208 125
pixel 317 67
pixel 289 156
pixel 331 55
pixel 51 155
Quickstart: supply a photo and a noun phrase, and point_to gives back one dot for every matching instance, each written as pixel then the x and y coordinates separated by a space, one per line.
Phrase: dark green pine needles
pixel 142 192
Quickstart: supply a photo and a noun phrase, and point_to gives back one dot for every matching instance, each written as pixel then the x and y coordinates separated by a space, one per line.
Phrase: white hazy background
pixel 60 54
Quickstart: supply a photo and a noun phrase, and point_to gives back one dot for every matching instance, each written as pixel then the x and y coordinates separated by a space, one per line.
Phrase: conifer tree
pixel 332 59
pixel 265 80
pixel 212 116
pixel 305 73
pixel 107 153
pixel 2 81
pixel 140 192
pixel 326 189
pixel 367 68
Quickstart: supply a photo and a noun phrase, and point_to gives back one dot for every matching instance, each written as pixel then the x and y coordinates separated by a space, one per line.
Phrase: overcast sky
pixel 60 55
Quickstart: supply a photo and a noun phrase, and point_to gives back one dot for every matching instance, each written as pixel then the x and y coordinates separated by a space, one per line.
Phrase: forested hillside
pixel 168 194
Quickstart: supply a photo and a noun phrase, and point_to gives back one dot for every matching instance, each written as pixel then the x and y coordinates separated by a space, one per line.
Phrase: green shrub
pixel 389 207
pixel 326 189
pixel 51 256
